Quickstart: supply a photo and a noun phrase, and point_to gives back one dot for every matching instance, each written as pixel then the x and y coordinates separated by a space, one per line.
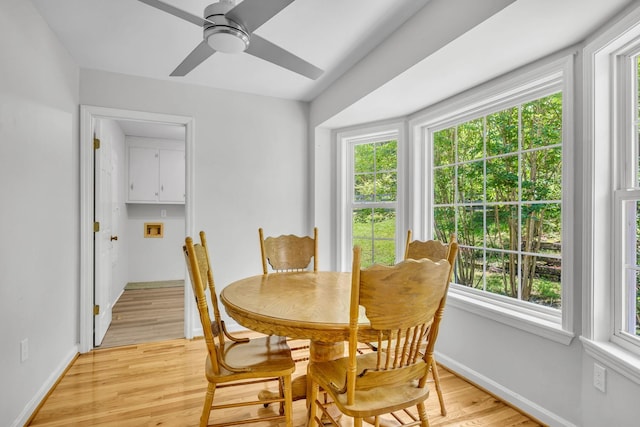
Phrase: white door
pixel 104 237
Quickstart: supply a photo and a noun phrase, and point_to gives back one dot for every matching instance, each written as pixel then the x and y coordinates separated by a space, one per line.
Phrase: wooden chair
pixel 400 303
pixel 233 361
pixel 289 253
pixel 434 250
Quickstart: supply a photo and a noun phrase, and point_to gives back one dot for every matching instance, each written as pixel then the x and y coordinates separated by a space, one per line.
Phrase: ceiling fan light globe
pixel 227 40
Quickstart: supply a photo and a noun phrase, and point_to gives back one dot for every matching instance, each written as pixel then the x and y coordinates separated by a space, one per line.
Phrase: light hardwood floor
pixel 146 314
pixel 162 383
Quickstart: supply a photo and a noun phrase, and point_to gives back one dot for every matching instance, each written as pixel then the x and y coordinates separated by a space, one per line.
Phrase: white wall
pixel 250 161
pixel 39 227
pixel 154 259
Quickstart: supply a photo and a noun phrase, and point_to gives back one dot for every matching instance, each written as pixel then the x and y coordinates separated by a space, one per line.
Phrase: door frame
pixel 88 114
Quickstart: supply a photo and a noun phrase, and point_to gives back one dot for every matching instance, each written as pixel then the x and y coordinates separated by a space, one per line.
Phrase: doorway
pixel 89 116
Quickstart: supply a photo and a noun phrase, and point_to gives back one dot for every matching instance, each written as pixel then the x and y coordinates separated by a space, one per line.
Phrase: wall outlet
pixel 599 377
pixel 24 350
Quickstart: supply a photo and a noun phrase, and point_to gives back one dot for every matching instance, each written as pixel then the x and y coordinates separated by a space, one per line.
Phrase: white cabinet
pixel 156 175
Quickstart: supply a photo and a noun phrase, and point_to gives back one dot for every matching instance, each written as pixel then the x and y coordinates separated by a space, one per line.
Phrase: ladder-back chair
pixel 434 250
pixel 400 302
pixel 233 361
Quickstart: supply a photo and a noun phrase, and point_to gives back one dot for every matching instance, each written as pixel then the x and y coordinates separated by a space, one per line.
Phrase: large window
pixel 369 190
pixel 497 185
pixel 611 232
pixel 627 196
pixel 374 200
pixel 497 172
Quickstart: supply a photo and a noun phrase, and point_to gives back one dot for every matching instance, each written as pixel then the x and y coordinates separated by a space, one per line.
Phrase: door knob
pixel 114 238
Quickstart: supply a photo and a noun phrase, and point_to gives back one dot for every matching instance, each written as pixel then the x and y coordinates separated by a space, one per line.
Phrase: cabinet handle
pixel 162 188
pixel 132 185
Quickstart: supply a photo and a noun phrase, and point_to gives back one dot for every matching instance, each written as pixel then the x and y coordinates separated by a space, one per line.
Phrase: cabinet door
pixel 172 179
pixel 143 174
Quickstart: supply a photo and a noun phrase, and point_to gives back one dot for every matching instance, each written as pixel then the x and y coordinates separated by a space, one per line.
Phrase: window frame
pixel 345 140
pixel 537 80
pixel 607 130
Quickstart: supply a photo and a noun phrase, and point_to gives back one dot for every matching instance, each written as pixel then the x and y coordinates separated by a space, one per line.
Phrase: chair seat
pixel 260 357
pixel 331 375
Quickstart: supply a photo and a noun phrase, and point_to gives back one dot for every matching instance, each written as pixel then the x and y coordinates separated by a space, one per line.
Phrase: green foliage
pixel 375 181
pixel 497 185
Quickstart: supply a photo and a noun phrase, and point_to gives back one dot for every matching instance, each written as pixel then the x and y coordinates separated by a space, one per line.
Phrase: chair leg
pixel 208 401
pixel 288 399
pixel 436 380
pixel 312 396
pixel 357 422
pixel 422 413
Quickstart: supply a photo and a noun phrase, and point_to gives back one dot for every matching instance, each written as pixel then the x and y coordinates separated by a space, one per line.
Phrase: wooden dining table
pixel 302 305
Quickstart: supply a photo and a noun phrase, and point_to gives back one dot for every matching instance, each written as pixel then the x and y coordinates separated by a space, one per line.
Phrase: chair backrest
pixel 289 253
pixel 199 266
pixel 434 250
pixel 400 303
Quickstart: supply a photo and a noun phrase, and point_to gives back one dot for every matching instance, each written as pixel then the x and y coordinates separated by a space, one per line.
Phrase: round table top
pixel 313 305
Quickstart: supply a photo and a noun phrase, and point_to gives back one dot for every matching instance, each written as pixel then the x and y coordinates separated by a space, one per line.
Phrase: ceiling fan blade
pixel 253 13
pixel 268 51
pixel 165 7
pixel 195 58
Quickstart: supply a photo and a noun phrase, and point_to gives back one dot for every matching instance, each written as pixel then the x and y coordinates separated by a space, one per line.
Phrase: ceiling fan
pixel 229 28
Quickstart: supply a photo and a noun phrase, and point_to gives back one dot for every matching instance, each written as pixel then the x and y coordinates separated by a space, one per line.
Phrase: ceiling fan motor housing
pixel 224 35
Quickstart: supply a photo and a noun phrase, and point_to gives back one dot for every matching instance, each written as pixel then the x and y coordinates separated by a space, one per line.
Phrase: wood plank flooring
pixel 145 315
pixel 163 384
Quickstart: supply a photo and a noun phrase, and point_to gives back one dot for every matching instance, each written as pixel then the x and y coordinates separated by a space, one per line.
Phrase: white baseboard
pixel 525 405
pixel 30 408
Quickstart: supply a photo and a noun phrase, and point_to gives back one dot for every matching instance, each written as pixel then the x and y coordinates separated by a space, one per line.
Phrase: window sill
pixel 517 317
pixel 615 357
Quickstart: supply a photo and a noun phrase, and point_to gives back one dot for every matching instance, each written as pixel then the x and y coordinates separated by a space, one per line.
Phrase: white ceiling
pixel 129 37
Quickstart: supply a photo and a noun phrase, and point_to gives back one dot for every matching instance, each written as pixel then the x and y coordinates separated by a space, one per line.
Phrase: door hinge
pixel 96 310
pixel 96 143
pixel 96 226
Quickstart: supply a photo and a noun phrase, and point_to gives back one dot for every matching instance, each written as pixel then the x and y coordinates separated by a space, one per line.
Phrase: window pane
pixel 444 147
pixel 502 132
pixel 541 280
pixel 386 155
pixel 444 223
pixel 443 185
pixel 468 270
pixel 470 144
pixel 631 289
pixel 374 231
pixel 470 225
pixel 542 122
pixel 542 174
pixel 364 188
pixel 363 158
pixel 471 182
pixel 541 228
pixel 385 186
pixel 502 227
pixel 502 277
pixel 637 300
pixel 502 179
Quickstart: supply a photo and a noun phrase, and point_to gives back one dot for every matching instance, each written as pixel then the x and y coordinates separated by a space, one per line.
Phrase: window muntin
pixel 374 199
pixel 497 182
